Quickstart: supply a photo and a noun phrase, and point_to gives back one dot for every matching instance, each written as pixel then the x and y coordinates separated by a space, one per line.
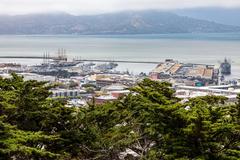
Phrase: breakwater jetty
pixel 81 60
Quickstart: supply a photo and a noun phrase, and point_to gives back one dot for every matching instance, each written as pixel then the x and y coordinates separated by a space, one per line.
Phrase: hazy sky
pixel 101 6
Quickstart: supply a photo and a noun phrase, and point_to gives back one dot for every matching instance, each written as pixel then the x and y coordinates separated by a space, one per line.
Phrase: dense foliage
pixel 150 123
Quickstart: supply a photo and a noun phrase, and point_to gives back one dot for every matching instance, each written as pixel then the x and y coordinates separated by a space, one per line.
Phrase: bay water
pixel 189 48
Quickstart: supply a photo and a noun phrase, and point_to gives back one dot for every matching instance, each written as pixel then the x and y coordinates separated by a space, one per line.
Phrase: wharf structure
pixel 187 74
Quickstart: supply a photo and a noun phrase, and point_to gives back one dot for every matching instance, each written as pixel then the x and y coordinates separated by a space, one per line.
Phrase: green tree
pixel 27 118
pixel 210 131
pixel 149 123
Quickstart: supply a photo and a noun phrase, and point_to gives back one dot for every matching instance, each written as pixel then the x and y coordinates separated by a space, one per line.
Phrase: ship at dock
pixel 60 61
pixel 225 67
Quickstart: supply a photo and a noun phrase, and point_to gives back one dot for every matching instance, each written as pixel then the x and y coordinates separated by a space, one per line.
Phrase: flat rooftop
pixel 189 70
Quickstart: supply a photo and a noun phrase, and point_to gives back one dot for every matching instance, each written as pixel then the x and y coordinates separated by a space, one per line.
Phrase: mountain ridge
pixel 130 22
pixel 221 15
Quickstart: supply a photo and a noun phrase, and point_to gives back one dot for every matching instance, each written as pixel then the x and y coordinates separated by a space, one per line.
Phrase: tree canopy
pixel 149 123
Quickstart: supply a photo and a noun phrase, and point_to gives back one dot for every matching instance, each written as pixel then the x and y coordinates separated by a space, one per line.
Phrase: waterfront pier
pixel 82 60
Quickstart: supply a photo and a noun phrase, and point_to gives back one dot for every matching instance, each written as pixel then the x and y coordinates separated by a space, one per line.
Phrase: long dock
pixel 118 61
pixel 82 60
pixel 25 57
pixel 91 60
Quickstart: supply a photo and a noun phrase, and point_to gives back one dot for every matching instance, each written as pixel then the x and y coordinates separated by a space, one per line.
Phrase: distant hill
pixel 230 16
pixel 141 22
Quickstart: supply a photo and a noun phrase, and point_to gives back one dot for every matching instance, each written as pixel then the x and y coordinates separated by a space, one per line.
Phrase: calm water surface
pixel 194 48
